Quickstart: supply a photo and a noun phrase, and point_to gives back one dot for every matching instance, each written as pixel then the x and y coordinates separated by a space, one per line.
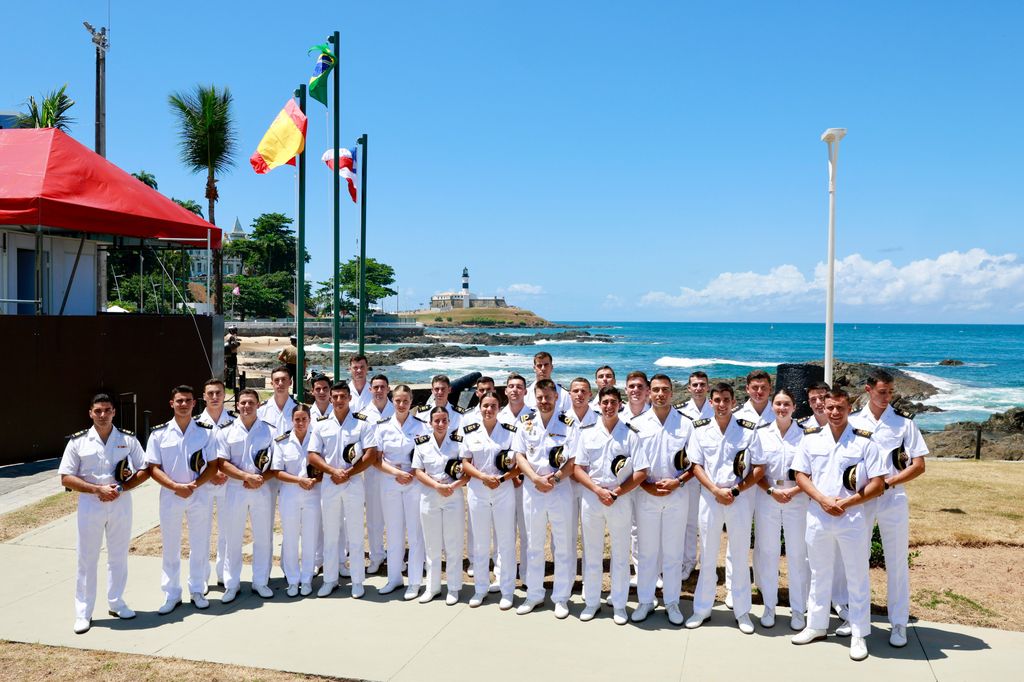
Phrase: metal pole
pixel 142 257
pixel 101 95
pixel 832 136
pixel 335 40
pixel 209 271
pixel 300 263
pixel 362 247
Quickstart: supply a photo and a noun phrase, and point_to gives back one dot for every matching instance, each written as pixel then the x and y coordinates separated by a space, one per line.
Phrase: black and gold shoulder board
pixel 565 419
pixel 423 408
pixel 77 434
pixel 232 414
pixel 702 422
pixel 420 440
pixel 127 432
pixel 746 423
pixel 454 435
pixel 765 425
pixel 204 425
pixel 737 409
pixel 326 416
pixel 384 420
pixel 801 422
pixel 632 428
pixel 282 437
pixel 470 428
pixel 265 402
pixel 526 417
pixel 683 414
pixel 862 432
pixel 509 427
pixel 680 406
pixel 589 426
pixel 360 416
pixel 460 410
pixel 159 426
pixel 903 413
pixel 812 429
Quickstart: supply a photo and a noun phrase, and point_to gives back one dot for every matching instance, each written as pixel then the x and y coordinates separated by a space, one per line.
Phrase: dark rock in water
pixel 950 362
pixel 911 406
pixel 325 359
pixel 486 339
pixel 899 364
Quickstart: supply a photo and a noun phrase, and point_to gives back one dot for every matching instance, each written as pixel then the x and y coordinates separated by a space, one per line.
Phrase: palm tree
pixel 206 136
pixel 146 178
pixel 51 112
pixel 189 205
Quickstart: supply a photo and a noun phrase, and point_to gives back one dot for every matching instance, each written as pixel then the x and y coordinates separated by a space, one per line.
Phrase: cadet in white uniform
pixel 513 412
pixel 489 461
pixel 442 509
pixel 182 457
pixel 300 503
pixel 544 446
pixel 102 463
pixel 727 460
pixel 245 452
pixel 542 368
pixel 839 468
pixel 321 406
pixel 394 440
pixel 483 385
pixel 215 415
pixel 340 448
pixel 603 376
pixel 782 507
pixel 277 412
pixel 664 505
pixel 903 451
pixel 583 415
pixel 378 408
pixel 608 466
pixel 697 407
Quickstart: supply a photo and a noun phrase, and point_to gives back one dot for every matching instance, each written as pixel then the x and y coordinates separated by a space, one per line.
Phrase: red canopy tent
pixel 49 179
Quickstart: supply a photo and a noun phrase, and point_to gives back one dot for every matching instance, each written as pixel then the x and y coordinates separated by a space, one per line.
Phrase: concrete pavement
pixel 385 638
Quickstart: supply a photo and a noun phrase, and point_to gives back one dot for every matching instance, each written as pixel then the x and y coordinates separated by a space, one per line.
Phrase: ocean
pixel 990 380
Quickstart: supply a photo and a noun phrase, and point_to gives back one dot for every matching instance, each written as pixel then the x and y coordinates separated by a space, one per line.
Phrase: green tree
pixel 269 248
pixel 207 142
pixel 379 278
pixel 50 112
pixel 259 297
pixel 146 178
pixel 189 205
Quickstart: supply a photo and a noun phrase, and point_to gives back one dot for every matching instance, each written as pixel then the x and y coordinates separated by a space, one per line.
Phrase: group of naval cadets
pixel 659 479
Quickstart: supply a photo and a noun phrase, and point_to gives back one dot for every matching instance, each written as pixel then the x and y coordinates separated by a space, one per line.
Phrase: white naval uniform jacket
pixel 331 439
pixel 396 441
pixel 171 449
pixel 242 446
pixel 689 409
pixel 454 415
pixel 891 432
pixel 747 411
pixel 827 461
pixel 601 452
pixel 432 458
pixel 482 449
pixel 315 413
pixel 360 399
pixel 505 415
pixel 537 441
pixel 90 459
pixel 291 456
pixel 716 451
pixel 779 452
pixel 280 420
pixel 563 401
pixel 661 443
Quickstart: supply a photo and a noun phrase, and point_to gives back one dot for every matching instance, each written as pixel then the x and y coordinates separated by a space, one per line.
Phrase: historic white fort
pixel 448 300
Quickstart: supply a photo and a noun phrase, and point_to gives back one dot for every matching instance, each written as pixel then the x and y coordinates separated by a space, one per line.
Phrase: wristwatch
pixel 557 477
pixel 735 490
pixel 770 491
pixel 886 484
pixel 614 497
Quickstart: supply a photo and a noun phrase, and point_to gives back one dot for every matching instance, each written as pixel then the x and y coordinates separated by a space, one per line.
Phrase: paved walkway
pixel 384 638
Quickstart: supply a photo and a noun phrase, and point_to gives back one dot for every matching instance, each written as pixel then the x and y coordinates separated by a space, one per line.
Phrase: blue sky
pixel 598 161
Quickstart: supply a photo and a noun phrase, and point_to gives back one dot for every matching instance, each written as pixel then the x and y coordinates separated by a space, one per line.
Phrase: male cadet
pixel 321 406
pixel 245 449
pixel 378 408
pixel 663 506
pixel 483 385
pixel 277 412
pixel 609 465
pixel 697 407
pixel 637 391
pixel 728 461
pixel 903 451
pixel 544 445
pixel 584 415
pixel 182 457
pixel 513 413
pixel 102 463
pixel 358 386
pixel 215 415
pixel 440 389
pixel 758 408
pixel 339 448
pixel 840 469
pixel 543 365
pixel 604 376
pixel 816 395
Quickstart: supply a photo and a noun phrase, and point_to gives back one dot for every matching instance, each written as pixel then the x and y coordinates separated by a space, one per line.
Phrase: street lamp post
pixel 831 137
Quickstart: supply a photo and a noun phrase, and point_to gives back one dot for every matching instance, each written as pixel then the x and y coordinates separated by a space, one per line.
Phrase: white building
pixel 449 300
pixel 232 266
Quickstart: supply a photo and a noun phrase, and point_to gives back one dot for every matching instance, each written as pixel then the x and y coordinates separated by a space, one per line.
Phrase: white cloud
pixel 613 301
pixel 525 289
pixel 972 280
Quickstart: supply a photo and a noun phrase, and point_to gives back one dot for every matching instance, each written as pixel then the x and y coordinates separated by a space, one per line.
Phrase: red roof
pixel 47 178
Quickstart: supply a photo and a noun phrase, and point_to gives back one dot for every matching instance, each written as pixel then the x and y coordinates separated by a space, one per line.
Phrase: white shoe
pixel 411 592
pixel 728 599
pixel 264 591
pixel 842 610
pixel 768 617
pixel 452 598
pixel 589 612
pixel 427 597
pixel 660 584
pixel 293 590
pixel 199 601
pixel 505 604
pixel 389 588
pixel 82 625
pixel 696 620
pixel 632 581
pixel 306 589
pixel 844 630
pixel 526 607
pixel 494 587
pixel 641 612
pixel 561 610
pixel 206 590
pixel 477 599
pixel 675 616
pixel 168 606
pixel 122 612
pixel 229 595
pixel 326 589
pixel 470 572
pixel 358 590
pixel 898 636
pixel 619 617
pixel 808 635
pixel 797 622
pixel 746 627
pixel 374 566
pixel 858 648
pixel 343 571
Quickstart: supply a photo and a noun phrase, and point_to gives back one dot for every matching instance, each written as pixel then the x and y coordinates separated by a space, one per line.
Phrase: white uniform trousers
pixel 254 505
pixel 173 511
pixel 96 519
pixel 691 489
pixel 274 486
pixel 343 505
pixel 374 514
pixel 848 536
pixel 618 518
pixel 401 507
pixel 443 520
pixel 661 523
pixel 524 544
pixel 771 518
pixel 737 517
pixel 492 512
pixel 540 509
pixel 218 498
pixel 300 523
pixel 892 514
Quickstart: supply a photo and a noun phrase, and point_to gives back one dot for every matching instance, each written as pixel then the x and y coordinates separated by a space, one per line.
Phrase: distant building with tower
pixel 449 300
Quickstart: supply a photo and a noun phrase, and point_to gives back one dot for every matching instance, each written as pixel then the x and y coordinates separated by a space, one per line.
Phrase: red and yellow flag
pixel 284 140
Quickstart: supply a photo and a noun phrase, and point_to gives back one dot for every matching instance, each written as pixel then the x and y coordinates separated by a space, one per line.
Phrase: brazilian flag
pixel 324 65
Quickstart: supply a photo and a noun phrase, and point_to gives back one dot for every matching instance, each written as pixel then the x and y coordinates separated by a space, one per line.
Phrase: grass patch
pixel 21 521
pixel 932 599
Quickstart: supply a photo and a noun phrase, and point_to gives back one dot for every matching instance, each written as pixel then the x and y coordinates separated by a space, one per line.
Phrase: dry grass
pixel 150 543
pixel 496 317
pixel 29 662
pixel 20 521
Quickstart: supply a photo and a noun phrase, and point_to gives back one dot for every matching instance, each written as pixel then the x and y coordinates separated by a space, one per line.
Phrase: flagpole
pixel 335 40
pixel 362 246
pixel 300 265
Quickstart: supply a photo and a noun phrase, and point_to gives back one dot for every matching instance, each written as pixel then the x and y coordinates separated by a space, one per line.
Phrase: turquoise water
pixel 992 380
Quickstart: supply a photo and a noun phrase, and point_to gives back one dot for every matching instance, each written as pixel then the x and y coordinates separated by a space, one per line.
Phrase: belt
pixel 783 482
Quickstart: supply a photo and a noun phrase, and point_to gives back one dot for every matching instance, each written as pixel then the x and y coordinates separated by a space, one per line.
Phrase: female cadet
pixel 442 508
pixel 400 492
pixel 488 458
pixel 783 506
pixel 300 503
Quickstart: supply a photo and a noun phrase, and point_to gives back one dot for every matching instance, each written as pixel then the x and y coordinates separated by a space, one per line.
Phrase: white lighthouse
pixel 465 282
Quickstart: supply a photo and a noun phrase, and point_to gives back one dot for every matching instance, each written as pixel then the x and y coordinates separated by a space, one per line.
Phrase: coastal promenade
pixel 384 638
